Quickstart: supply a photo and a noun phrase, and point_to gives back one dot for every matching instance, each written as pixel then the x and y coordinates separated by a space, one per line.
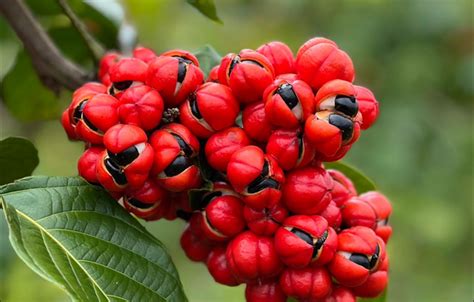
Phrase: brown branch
pixel 95 48
pixel 54 70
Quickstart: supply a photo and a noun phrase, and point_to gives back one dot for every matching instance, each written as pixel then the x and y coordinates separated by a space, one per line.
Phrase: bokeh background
pixel 415 55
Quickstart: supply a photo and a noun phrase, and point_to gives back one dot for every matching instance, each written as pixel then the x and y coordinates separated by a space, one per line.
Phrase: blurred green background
pixel 418 59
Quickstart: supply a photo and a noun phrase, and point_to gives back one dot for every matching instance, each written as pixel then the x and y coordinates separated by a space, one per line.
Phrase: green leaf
pixel 25 96
pixel 207 8
pixel 76 236
pixel 18 158
pixel 361 182
pixel 208 58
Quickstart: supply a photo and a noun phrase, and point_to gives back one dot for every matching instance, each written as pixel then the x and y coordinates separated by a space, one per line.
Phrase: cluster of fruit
pixel 240 156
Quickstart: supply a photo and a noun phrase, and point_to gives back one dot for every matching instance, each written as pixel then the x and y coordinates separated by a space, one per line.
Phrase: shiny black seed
pixel 235 61
pixel 186 216
pixel 262 184
pixel 183 59
pixel 303 235
pixel 344 124
pixel 115 172
pixel 253 62
pixel 77 115
pixel 375 258
pixel 138 204
pixel 265 169
pixel 194 107
pixel 300 145
pixel 207 198
pixel 182 66
pixel 179 164
pixel 288 95
pixel 360 259
pixel 89 124
pixel 125 157
pixel 183 145
pixel 346 105
pixel 122 85
pixel 319 243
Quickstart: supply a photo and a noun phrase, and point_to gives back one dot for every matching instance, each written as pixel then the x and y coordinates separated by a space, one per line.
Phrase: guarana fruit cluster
pixel 240 155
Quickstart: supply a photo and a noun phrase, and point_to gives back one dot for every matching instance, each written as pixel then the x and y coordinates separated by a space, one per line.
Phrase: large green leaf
pixel 207 8
pixel 76 236
pixel 208 57
pixel 361 182
pixel 18 158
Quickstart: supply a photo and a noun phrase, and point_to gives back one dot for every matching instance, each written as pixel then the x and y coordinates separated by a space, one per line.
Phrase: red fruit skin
pixel 383 209
pixel 141 106
pixel 312 42
pixel 216 105
pixel 106 62
pixel 195 247
pixel 105 178
pixel 368 106
pixel 265 222
pixel 166 149
pixel 247 74
pixel 360 240
pixel 321 62
pixel 219 267
pixel 333 88
pixel 278 112
pixel 152 200
pixel 279 55
pixel 223 218
pixel 306 284
pixel 69 128
pixel 252 257
pixel 214 75
pixel 255 122
pixel 163 76
pixel 290 77
pixel 144 54
pixel 307 190
pixel 333 215
pixel 244 167
pixel 374 286
pixel 356 212
pixel 269 291
pixel 119 138
pixel 127 69
pixel 343 187
pixel 87 164
pixel 290 149
pixel 100 112
pixel 340 294
pixel 222 145
pixel 297 253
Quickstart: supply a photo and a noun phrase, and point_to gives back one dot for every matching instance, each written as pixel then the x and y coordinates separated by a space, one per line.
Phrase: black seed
pixel 235 61
pixel 319 243
pixel 77 115
pixel 253 62
pixel 180 164
pixel 125 157
pixel 138 204
pixel 346 105
pixel 122 85
pixel 89 124
pixel 288 95
pixel 303 235
pixel 183 59
pixel 263 184
pixel 360 259
pixel 300 145
pixel 182 66
pixel 264 169
pixel 183 145
pixel 207 198
pixel 344 124
pixel 194 107
pixel 183 215
pixel 115 172
pixel 375 258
